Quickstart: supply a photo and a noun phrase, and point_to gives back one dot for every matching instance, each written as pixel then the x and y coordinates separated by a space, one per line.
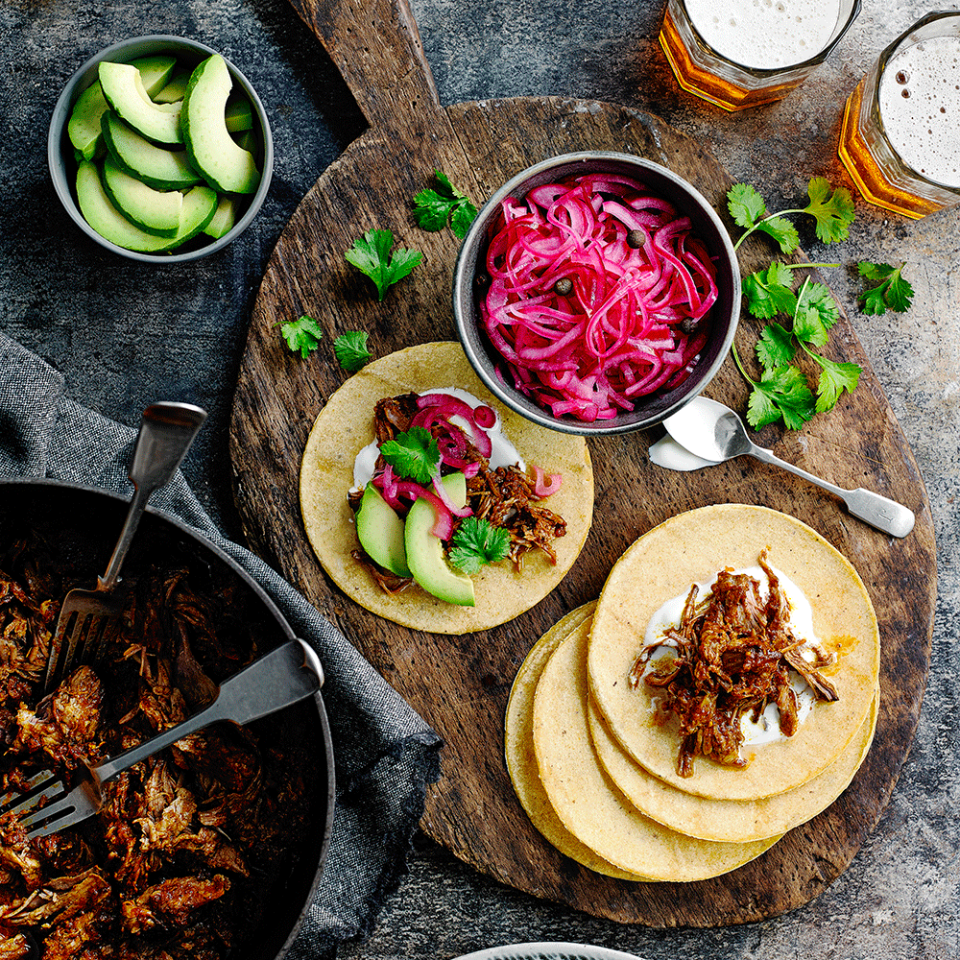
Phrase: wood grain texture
pixel 461 684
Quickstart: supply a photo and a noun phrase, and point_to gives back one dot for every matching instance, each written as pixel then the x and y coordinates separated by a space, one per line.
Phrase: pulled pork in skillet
pixel 731 655
pixel 180 860
pixel 504 496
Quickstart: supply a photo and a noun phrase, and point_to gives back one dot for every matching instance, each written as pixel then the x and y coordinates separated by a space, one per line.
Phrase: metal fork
pixel 278 679
pixel 87 617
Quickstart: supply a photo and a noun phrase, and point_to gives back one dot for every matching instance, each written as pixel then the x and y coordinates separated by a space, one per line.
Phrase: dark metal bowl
pixel 688 201
pixel 84 524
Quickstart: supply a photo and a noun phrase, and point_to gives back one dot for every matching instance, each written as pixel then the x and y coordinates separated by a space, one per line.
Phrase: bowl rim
pixel 463 293
pixel 58 165
pixel 204 543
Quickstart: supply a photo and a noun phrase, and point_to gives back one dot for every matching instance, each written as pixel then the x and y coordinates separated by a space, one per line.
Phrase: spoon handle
pixel 880 512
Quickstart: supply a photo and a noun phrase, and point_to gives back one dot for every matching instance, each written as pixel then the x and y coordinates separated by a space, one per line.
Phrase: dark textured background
pixel 125 334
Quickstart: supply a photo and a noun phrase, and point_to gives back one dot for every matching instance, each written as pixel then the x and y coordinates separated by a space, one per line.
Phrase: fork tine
pixel 81 802
pixel 38 788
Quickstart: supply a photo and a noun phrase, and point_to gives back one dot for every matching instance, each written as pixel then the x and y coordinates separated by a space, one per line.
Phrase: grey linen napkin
pixel 385 754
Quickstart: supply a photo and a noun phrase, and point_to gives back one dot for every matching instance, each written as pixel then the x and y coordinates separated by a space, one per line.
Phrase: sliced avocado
pixel 174 89
pixel 198 207
pixel 210 147
pixel 125 92
pixel 425 551
pixel 238 114
pixel 83 129
pixel 380 532
pixel 223 219
pixel 156 211
pixel 156 166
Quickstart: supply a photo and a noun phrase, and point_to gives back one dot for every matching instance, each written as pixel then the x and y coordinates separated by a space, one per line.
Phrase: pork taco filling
pixel 441 492
pixel 734 668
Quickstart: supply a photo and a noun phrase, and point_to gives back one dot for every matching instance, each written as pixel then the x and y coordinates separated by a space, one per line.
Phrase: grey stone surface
pixel 125 334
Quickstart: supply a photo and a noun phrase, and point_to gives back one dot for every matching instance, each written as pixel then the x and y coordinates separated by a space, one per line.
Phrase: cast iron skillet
pixel 84 523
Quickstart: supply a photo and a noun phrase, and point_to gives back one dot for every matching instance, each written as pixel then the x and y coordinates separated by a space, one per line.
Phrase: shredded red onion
pixel 632 314
pixel 543 485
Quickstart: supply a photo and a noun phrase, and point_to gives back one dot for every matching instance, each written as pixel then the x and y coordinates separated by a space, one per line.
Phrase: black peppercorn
pixel 688 325
pixel 481 280
pixel 635 239
pixel 563 287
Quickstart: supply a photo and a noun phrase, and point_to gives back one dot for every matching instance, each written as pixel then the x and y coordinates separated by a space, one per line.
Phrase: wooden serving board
pixel 461 684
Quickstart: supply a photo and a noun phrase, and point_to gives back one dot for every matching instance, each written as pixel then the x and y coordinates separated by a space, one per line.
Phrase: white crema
pixel 765 34
pixel 919 100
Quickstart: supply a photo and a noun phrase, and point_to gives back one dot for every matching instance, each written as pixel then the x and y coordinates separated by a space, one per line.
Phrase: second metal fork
pixel 87 617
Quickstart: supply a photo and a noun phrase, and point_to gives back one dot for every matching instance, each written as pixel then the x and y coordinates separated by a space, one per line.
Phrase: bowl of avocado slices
pixel 160 149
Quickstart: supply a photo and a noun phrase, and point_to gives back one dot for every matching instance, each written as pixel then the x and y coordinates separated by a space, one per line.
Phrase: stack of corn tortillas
pixel 595 768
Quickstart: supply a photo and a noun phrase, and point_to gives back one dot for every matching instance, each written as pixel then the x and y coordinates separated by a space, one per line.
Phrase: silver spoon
pixel 715 432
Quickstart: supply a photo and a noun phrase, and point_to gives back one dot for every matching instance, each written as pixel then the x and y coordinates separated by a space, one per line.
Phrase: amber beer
pixel 900 138
pixel 743 53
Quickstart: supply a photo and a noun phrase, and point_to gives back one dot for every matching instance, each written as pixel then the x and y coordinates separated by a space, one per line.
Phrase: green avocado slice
pixel 83 128
pixel 211 149
pixel 425 555
pixel 199 206
pixel 380 532
pixel 125 92
pixel 158 167
pixel 156 211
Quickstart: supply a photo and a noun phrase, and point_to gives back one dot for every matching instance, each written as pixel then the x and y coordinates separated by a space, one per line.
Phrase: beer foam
pixel 919 99
pixel 765 34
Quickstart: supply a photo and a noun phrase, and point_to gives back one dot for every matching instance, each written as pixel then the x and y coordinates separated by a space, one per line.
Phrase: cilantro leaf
pixel 783 231
pixel 414 454
pixel 351 350
pixel 775 347
pixel 834 379
pixel 782 392
pixel 370 254
pixel 832 209
pixel 433 208
pixel 768 292
pixel 303 334
pixel 476 543
pixel 746 206
pixel 892 291
pixel 816 313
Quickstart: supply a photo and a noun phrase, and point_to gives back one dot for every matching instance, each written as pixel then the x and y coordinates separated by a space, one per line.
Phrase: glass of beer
pixel 742 53
pixel 900 139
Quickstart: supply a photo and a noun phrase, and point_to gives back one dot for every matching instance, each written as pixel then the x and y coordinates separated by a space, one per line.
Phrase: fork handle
pixel 276 680
pixel 166 431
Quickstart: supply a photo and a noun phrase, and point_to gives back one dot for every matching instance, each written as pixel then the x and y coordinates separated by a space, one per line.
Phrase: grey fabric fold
pixel 385 754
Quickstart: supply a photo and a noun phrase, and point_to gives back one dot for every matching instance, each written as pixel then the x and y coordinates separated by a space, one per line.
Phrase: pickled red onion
pixel 636 315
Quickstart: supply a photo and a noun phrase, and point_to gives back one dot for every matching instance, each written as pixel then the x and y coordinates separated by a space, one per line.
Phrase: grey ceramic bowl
pixel 688 201
pixel 63 165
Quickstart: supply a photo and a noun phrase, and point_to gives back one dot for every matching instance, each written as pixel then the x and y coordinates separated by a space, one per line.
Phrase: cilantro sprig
pixel 433 209
pixel 303 335
pixel 832 209
pixel 371 255
pixel 414 454
pixel 476 543
pixel 783 390
pixel 890 290
pixel 351 350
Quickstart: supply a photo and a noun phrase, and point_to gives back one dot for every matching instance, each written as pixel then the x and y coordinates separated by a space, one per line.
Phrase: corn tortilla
pixel 692 547
pixel 344 426
pixel 521 759
pixel 587 802
pixel 732 821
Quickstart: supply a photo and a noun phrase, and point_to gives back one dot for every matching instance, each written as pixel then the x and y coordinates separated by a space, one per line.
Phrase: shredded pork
pixel 731 655
pixel 180 861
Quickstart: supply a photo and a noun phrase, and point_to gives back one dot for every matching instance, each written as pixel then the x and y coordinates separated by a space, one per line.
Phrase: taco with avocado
pixel 430 505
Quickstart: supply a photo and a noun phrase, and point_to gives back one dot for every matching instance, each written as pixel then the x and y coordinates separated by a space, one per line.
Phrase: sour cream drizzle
pixel 504 453
pixel 766 729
